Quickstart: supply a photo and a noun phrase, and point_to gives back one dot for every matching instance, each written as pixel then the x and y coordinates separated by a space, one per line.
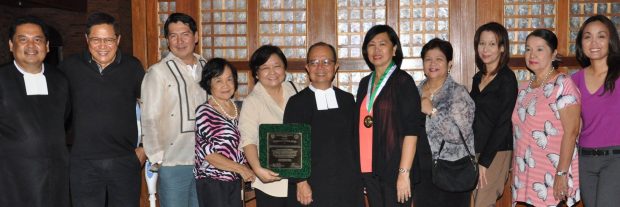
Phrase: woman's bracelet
pixel 403 170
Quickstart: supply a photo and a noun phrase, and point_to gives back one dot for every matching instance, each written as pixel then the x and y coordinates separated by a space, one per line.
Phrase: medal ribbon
pixel 372 94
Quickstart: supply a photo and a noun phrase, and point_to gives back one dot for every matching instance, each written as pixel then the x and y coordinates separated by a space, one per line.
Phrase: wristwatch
pixel 433 111
pixel 561 173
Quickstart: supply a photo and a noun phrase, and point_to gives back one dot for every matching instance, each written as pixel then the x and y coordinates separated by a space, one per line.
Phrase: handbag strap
pixel 462 139
pixel 292 84
pixel 465 145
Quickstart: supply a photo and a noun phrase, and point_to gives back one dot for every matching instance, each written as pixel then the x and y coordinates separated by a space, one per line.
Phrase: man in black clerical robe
pixel 334 181
pixel 34 102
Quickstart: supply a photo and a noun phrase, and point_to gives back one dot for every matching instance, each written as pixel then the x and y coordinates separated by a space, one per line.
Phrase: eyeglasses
pixel 98 41
pixel 324 62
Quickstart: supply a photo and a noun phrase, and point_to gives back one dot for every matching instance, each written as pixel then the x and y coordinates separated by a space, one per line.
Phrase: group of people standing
pixel 550 132
pixel 91 97
pixel 383 143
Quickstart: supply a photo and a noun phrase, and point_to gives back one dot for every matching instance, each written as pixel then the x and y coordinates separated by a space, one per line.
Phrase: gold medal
pixel 368 121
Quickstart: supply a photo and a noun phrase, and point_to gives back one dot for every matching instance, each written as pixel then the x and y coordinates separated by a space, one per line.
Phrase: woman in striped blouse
pixel 219 164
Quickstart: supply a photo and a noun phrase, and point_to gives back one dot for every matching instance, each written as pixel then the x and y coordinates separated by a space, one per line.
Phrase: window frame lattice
pixel 224 29
pixel 357 16
pixel 521 18
pixel 580 10
pixel 164 9
pixel 284 23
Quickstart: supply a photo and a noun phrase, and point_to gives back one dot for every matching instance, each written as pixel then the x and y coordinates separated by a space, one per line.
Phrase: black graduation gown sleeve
pixel 299 110
pixel 335 180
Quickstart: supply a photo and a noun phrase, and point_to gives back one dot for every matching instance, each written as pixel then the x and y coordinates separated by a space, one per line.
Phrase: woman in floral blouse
pixel 450 116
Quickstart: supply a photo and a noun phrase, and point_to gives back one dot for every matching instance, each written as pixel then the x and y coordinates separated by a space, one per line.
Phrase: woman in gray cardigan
pixel 449 109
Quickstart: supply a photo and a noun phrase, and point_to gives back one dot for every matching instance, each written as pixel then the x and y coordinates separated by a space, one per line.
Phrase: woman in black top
pixel 494 91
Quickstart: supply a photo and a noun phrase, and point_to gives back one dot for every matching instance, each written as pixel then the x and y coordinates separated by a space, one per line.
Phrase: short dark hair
pixel 98 18
pixel 29 20
pixel 374 31
pixel 323 44
pixel 261 55
pixel 180 17
pixel 502 41
pixel 613 58
pixel 444 46
pixel 550 39
pixel 215 68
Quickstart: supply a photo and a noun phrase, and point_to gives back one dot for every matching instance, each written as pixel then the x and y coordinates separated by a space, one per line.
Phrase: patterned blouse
pixel 215 134
pixel 455 112
pixel 538 138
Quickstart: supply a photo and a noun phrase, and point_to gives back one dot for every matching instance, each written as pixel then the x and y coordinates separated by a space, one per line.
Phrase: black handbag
pixel 455 176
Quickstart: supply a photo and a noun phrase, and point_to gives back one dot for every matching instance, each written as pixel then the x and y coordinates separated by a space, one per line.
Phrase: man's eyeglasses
pixel 98 41
pixel 324 62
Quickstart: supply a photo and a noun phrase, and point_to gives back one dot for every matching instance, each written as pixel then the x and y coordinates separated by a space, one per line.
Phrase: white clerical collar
pixel 36 84
pixel 325 99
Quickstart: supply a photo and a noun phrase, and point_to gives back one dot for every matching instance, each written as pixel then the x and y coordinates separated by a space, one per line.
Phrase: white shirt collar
pixel 192 68
pixel 36 84
pixel 325 99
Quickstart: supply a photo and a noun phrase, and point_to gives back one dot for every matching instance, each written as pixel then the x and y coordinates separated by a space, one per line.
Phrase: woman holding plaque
pixel 219 164
pixel 265 105
pixel 334 180
pixel 388 121
pixel 450 116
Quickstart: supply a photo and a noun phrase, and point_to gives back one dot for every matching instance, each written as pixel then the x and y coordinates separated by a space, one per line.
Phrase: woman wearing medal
pixel 389 121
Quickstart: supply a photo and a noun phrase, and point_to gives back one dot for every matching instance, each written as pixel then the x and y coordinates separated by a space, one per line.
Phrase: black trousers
pixel 382 194
pixel 111 181
pixel 216 193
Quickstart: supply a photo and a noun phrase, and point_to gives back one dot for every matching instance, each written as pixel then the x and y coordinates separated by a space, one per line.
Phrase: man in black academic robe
pixel 34 104
pixel 334 180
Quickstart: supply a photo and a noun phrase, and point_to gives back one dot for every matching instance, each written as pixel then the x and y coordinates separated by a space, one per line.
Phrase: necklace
pixel 428 86
pixel 529 85
pixel 224 111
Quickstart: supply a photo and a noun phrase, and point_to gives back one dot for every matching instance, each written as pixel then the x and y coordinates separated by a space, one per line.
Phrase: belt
pixel 598 152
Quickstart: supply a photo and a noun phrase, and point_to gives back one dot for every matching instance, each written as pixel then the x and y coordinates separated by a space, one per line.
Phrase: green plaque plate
pixel 285 149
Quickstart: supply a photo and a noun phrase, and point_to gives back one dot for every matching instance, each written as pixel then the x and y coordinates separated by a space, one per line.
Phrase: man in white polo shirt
pixel 170 95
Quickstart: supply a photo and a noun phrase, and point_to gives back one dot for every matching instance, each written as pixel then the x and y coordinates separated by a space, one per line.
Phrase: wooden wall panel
pixel 138 27
pixel 462 29
pixel 488 10
pixel 321 19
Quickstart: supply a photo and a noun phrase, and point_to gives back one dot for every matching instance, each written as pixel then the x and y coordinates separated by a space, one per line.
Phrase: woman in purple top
pixel 219 164
pixel 598 52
